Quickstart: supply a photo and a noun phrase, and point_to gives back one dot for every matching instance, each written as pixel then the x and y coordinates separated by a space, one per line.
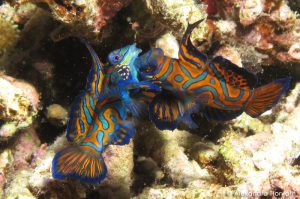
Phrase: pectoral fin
pixel 165 111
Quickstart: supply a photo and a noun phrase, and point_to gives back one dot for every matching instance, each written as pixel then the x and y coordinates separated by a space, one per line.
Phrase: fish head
pixel 122 61
pixel 124 56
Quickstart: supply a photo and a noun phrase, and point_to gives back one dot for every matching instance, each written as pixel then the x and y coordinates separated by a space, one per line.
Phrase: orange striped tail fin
pixel 265 97
pixel 79 163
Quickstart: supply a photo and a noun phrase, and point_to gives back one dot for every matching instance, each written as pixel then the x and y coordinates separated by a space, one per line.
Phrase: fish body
pixel 83 160
pixel 96 120
pixel 217 88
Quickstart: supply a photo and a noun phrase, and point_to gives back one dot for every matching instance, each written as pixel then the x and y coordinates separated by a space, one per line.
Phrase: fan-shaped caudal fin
pixel 265 97
pixel 79 163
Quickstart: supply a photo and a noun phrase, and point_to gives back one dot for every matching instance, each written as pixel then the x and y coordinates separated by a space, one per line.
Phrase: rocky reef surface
pixel 44 66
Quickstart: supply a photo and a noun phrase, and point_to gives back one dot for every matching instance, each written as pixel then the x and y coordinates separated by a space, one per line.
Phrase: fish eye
pixel 117 57
pixel 148 69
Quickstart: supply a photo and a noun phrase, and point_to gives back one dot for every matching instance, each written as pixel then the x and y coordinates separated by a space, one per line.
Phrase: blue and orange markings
pixel 217 83
pixel 81 126
pixel 94 120
pixel 98 116
pixel 104 122
pixel 92 101
pixel 168 72
pixel 191 80
pixel 178 78
pixel 99 141
pixel 87 112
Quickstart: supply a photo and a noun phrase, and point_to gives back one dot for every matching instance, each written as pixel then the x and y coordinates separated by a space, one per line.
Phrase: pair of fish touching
pixel 169 89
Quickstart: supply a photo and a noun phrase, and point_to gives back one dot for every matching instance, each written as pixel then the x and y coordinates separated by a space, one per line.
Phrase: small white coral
pixel 168 44
pixel 42 174
pixel 294 51
pixel 226 27
pixel 284 16
pixel 57 115
pixel 176 14
pixel 250 10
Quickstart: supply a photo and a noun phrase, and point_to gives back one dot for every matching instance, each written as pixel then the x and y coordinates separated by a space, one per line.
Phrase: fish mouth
pixel 123 71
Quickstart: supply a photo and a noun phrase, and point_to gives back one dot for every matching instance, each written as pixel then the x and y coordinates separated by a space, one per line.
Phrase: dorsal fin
pixel 220 67
pixel 83 107
pixel 188 52
pixel 230 73
pixel 96 74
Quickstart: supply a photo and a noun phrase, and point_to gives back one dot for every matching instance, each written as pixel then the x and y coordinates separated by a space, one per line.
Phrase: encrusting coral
pixel 168 150
pixel 272 29
pixel 233 160
pixel 19 103
pixel 19 100
pixel 93 14
pixel 9 34
pixel 177 14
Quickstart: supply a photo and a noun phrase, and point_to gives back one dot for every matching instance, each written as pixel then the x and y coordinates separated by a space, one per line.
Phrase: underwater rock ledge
pixel 231 159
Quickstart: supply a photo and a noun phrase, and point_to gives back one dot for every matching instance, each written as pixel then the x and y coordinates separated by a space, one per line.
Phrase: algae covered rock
pixel 243 158
pixel 204 153
pixel 19 103
pixel 169 150
pixel 188 193
pixel 176 14
pixel 168 44
pixel 6 161
pixel 18 187
pixel 19 100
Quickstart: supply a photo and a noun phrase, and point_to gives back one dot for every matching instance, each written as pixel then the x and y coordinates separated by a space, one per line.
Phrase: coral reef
pixel 42 73
pixel 5 162
pixel 19 100
pixel 168 150
pixel 119 160
pixel 169 44
pixel 31 176
pixel 9 34
pixel 269 29
pixel 177 14
pixel 90 14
